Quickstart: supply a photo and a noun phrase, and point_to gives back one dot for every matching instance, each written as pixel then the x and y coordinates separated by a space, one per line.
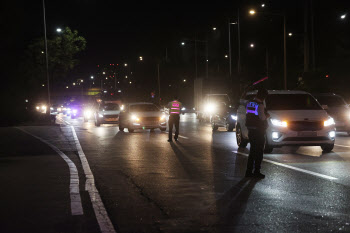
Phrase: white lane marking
pixel 61 119
pixel 293 168
pixel 75 200
pixel 103 220
pixel 342 146
pixel 182 136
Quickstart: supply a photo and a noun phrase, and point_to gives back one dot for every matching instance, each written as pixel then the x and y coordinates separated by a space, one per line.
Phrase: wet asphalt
pixel 197 184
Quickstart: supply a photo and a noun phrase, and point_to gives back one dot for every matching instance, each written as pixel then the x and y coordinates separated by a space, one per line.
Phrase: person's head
pixel 176 98
pixel 262 94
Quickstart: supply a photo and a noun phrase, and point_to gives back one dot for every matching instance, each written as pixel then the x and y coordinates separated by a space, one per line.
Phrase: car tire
pixel 230 127
pixel 130 130
pixel 327 148
pixel 241 142
pixel 121 129
pixel 214 126
pixel 162 129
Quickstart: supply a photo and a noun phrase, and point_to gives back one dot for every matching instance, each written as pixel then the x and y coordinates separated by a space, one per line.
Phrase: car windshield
pixel 291 102
pixel 143 108
pixel 331 101
pixel 110 107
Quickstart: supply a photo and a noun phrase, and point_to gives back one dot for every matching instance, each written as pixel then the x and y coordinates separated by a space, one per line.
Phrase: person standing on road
pixel 256 122
pixel 174 118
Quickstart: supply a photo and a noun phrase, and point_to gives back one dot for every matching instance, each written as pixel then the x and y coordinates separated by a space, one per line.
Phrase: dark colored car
pixel 224 116
pixel 337 108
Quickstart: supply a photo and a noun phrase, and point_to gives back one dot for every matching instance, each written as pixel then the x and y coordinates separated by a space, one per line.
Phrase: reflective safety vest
pixel 252 116
pixel 175 107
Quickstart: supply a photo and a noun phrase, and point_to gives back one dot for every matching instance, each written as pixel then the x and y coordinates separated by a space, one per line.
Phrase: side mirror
pixel 325 107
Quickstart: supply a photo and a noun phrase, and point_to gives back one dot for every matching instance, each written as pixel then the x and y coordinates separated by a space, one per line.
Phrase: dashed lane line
pixel 342 146
pixel 102 217
pixel 75 199
pixel 293 168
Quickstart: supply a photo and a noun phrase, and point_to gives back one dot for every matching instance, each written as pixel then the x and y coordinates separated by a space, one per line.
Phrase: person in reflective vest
pixel 174 118
pixel 256 122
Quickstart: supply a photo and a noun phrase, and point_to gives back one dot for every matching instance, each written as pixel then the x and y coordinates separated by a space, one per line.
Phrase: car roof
pixel 271 92
pixel 325 94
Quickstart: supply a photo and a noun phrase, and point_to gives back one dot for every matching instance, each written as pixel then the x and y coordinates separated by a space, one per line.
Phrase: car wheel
pixel 241 142
pixel 327 148
pixel 121 129
pixel 162 129
pixel 131 130
pixel 230 127
pixel 214 126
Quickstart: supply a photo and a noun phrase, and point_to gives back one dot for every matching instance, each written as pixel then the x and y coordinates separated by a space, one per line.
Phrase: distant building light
pixel 92 77
pixel 263 5
pixel 103 72
pixel 214 29
pixel 343 16
pixel 226 56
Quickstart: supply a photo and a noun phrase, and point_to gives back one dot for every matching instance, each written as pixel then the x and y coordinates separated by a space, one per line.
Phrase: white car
pixel 296 119
pixel 107 113
pixel 142 116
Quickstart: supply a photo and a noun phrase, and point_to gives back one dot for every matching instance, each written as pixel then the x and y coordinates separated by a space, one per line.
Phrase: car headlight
pixel 37 107
pixel 329 122
pixel 74 111
pixel 122 107
pixel 234 117
pixel 279 123
pixel 183 109
pixel 59 109
pixel 162 118
pixel 43 107
pixel 210 108
pixel 100 115
pixel 87 113
pixel 135 118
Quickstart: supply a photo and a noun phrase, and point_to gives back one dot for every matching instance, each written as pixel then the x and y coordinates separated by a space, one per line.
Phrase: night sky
pixel 119 32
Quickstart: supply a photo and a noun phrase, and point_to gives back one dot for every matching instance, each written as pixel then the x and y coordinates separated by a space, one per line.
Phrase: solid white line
pixel 103 220
pixel 293 168
pixel 342 146
pixel 75 200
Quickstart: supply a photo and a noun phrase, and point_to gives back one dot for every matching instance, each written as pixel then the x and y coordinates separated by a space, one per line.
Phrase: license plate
pixel 111 119
pixel 307 134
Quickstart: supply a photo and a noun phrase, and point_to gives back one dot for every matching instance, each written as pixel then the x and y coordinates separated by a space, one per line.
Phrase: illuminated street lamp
pixel 141 58
pixel 73 84
pixel 92 77
pixel 252 12
pixel 125 64
pixel 290 34
pixel 263 5
pixel 214 28
pixel 252 45
pixel 182 43
pixel 58 30
pixel 343 16
pixel 184 80
pixel 103 72
pixel 67 87
pixel 226 56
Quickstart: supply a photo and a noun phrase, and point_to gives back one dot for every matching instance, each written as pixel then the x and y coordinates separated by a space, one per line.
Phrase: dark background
pixel 121 32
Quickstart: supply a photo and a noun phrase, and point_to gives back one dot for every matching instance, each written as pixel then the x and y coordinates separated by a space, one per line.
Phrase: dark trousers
pixel 257 144
pixel 174 120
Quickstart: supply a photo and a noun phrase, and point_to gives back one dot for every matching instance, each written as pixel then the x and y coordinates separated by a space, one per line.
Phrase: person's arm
pixel 261 112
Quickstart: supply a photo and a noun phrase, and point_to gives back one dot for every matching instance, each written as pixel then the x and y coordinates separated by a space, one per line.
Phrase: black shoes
pixel 175 139
pixel 257 175
pixel 169 140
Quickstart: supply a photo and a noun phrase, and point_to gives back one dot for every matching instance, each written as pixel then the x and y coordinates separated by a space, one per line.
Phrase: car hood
pixel 114 112
pixel 147 114
pixel 299 115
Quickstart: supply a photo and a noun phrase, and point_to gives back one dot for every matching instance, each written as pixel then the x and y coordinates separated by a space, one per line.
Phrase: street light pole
pixel 158 82
pixel 239 45
pixel 47 61
pixel 229 46
pixel 195 54
pixel 285 52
